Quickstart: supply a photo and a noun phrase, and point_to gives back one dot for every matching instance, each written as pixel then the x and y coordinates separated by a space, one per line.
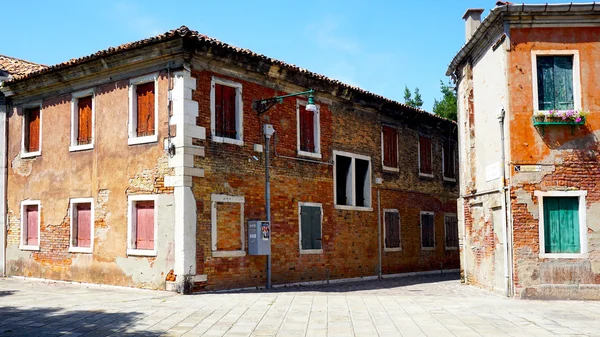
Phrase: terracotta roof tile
pixel 17 67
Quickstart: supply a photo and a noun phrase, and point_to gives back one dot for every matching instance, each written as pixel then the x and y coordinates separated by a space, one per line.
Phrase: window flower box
pixel 558 117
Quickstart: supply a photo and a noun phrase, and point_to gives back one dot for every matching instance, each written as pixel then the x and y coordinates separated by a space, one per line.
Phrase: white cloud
pixel 325 34
pixel 132 17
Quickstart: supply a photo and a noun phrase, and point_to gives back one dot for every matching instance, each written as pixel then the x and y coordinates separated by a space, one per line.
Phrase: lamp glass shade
pixel 311 107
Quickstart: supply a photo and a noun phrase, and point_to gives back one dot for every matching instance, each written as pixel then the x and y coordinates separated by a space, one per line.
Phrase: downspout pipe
pixel 3 181
pixel 379 233
pixel 502 187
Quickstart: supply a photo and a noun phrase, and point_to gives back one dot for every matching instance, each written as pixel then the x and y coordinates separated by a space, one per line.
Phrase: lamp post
pixel 262 106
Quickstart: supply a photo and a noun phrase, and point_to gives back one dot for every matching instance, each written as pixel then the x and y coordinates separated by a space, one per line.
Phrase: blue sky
pixel 378 45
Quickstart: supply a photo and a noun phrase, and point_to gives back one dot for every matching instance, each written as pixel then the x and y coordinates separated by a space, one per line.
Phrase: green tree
pixel 446 107
pixel 408 96
pixel 416 102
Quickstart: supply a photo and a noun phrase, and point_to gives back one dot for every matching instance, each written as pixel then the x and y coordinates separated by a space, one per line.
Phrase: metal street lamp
pixel 262 106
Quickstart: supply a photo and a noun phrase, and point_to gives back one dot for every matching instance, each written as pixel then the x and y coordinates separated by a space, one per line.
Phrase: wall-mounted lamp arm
pixel 263 105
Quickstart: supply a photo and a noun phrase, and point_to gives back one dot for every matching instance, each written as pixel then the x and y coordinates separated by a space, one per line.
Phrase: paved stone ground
pixel 416 306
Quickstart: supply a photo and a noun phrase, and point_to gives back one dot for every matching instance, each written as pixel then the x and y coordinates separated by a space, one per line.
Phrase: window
pixel 30 225
pixel 226 112
pixel 556 80
pixel 562 228
pixel 311 218
pixel 142 225
pixel 352 181
pixel 227 226
pixel 427 231
pixel 309 131
pixel 425 166
pixel 389 148
pixel 32 131
pixel 82 225
pixel 391 230
pixel 143 105
pixel 449 159
pixel 82 120
pixel 451 230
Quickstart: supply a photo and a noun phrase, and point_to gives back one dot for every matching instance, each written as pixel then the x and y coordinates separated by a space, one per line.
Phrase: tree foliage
pixel 446 107
pixel 416 102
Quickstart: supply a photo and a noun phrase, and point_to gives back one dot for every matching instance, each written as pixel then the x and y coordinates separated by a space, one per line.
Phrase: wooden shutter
pixel 310 225
pixel 225 111
pixel 427 231
pixel 390 147
pixel 144 225
pixel 563 82
pixel 316 228
pixel 84 225
pixel 425 155
pixel 449 160
pixel 392 230
pixel 32 225
pixel 451 224
pixel 561 225
pixel 32 129
pixel 145 109
pixel 545 79
pixel 307 130
pixel 84 130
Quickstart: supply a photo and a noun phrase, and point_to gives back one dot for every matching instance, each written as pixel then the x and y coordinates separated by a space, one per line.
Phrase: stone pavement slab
pixel 413 306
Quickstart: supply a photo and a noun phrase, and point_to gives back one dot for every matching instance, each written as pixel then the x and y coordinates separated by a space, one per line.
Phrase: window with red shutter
pixel 144 235
pixel 84 127
pixel 32 129
pixel 390 147
pixel 32 225
pixel 225 111
pixel 145 109
pixel 83 226
pixel 425 166
pixel 451 224
pixel 307 130
pixel 392 229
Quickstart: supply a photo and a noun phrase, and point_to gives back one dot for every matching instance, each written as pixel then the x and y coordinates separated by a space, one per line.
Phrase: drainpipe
pixel 502 188
pixel 3 187
pixel 379 233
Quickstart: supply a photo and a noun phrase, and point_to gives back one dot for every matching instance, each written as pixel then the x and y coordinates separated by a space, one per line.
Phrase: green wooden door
pixel 561 224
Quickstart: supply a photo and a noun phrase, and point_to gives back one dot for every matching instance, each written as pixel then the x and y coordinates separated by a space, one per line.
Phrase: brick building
pixel 143 164
pixel 530 210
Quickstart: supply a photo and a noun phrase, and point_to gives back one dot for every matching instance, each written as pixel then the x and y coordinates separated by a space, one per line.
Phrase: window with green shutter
pixel 561 225
pixel 310 227
pixel 555 82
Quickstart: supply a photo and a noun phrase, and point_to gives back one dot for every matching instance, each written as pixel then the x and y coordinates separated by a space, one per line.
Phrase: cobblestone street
pixel 412 306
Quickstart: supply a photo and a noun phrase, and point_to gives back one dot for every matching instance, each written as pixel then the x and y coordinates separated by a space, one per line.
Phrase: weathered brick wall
pixel 349 237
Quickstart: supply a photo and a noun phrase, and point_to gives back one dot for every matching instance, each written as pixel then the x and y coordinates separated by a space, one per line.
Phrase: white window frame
pixel 72 208
pixel 576 75
pixel 133 83
pixel 308 251
pixel 353 158
pixel 239 112
pixel 421 174
pixel 24 153
pixel 391 249
pixel 421 229
pixel 23 245
pixel 317 131
pixel 131 224
pixel 75 119
pixel 583 253
pixel 223 198
pixel 389 168
pixel 455 147
pixel 446 215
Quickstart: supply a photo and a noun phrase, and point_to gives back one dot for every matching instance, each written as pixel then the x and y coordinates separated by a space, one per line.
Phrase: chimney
pixel 472 19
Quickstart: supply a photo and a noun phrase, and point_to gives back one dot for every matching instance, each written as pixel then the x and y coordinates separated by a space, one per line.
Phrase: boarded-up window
pixel 561 225
pixel 451 225
pixel 425 166
pixel 307 130
pixel 32 218
pixel 427 230
pixel 229 237
pixel 82 225
pixel 84 120
pixel 310 224
pixel 144 226
pixel 390 147
pixel 392 229
pixel 145 109
pixel 32 129
pixel 449 160
pixel 555 82
pixel 225 111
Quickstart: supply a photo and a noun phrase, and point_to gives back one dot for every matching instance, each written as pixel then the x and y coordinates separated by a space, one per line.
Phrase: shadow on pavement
pixel 386 283
pixel 6 292
pixel 57 322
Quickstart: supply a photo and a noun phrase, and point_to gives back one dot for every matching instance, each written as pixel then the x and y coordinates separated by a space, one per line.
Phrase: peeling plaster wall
pixel 569 161
pixel 108 173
